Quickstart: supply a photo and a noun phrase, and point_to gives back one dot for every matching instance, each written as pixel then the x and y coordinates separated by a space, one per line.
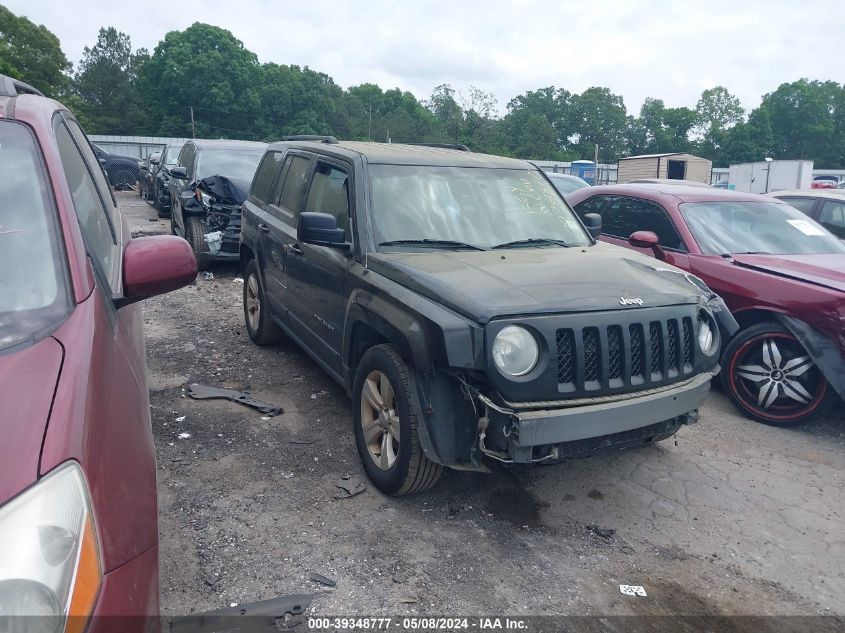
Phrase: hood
pixel 822 270
pixel 482 285
pixel 226 190
pixel 28 380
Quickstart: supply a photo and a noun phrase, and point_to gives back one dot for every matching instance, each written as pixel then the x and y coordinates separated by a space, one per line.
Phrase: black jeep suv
pixel 467 310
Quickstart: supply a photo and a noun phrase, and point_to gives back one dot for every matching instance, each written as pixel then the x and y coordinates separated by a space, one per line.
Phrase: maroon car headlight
pixel 49 557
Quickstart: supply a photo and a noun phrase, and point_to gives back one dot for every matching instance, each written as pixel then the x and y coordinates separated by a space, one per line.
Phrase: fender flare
pixel 821 349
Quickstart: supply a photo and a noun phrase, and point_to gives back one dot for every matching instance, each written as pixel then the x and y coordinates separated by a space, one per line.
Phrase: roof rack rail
pixel 331 140
pixel 458 146
pixel 12 87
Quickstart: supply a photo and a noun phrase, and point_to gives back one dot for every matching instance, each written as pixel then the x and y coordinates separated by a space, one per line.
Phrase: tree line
pixel 206 71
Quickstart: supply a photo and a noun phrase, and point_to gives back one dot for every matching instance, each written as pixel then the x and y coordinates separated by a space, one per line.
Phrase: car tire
pixel 769 376
pixel 259 322
pixel 195 236
pixel 389 446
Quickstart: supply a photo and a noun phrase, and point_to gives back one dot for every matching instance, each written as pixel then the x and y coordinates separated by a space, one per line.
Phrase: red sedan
pixel 781 274
pixel 78 515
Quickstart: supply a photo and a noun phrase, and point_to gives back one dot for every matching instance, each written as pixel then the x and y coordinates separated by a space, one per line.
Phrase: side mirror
pixel 179 172
pixel 320 229
pixel 102 161
pixel 593 223
pixel 155 265
pixel 647 239
pixel 143 167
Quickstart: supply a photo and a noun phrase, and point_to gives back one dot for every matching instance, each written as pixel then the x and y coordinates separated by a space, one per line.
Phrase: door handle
pixel 263 227
pixel 295 249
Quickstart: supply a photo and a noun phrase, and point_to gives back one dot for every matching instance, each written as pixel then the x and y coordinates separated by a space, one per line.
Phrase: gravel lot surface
pixel 731 518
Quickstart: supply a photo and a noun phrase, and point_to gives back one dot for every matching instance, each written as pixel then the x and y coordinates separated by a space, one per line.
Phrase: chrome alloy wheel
pixel 253 302
pixel 380 419
pixel 777 376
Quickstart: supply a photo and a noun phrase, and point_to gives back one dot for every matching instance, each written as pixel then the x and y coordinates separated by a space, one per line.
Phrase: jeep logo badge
pixel 636 301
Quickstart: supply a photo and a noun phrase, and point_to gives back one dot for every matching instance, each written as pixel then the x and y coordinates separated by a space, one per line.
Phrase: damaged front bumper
pixel 526 435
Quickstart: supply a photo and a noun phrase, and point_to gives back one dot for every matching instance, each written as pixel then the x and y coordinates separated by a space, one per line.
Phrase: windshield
pixel 33 293
pixel 481 207
pixel 567 185
pixel 172 155
pixel 239 164
pixel 726 227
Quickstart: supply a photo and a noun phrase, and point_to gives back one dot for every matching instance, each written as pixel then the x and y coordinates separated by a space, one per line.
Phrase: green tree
pixel 748 141
pixel 660 129
pixel 599 119
pixel 806 119
pixel 32 54
pixel 207 68
pixel 539 123
pixel 106 82
pixel 716 112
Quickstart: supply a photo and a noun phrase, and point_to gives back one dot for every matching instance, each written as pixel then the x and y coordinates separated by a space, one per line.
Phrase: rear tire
pixel 196 238
pixel 259 322
pixel 769 376
pixel 386 415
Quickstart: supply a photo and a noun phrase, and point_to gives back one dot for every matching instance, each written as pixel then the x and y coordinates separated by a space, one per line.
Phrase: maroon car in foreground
pixel 78 515
pixel 781 274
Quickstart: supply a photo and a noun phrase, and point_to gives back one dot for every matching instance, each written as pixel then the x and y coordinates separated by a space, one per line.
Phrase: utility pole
pixel 596 180
pixel 193 127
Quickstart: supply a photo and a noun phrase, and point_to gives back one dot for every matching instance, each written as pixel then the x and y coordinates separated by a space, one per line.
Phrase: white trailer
pixel 774 175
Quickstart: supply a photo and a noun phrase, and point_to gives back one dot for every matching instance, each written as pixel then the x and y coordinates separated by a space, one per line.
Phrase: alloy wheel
pixel 775 377
pixel 380 419
pixel 253 303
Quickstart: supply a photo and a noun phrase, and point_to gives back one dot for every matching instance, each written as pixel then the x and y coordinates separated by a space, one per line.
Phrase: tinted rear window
pixel 33 285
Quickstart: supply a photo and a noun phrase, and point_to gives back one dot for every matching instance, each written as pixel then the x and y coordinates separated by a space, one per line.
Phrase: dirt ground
pixel 733 517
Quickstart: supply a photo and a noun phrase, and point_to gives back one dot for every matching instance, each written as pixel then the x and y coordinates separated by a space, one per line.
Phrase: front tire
pixel 769 376
pixel 386 414
pixel 259 322
pixel 196 238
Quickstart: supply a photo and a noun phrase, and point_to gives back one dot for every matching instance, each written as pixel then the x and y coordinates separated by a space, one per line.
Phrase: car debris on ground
pixel 204 392
pixel 349 487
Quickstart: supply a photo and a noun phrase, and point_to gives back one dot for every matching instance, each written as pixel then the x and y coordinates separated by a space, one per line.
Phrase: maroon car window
pixel 594 204
pixel 724 227
pixel 35 297
pixel 628 215
pixel 832 217
pixel 90 210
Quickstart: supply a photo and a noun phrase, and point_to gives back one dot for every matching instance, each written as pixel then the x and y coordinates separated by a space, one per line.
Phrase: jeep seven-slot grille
pixel 594 358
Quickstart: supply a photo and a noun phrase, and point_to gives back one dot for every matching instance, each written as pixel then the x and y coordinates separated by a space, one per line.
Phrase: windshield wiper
pixel 432 242
pixel 729 255
pixel 531 242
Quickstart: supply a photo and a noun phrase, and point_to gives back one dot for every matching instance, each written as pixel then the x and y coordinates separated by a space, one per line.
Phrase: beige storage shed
pixel 670 166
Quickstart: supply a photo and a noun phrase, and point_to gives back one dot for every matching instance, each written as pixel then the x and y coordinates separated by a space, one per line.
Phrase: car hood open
pixel 822 270
pixel 483 285
pixel 28 380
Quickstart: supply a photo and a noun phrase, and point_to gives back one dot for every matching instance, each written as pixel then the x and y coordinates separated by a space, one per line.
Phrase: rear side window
pixel 627 215
pixel 33 286
pixel 802 204
pixel 291 191
pixel 832 217
pixel 329 193
pixel 262 184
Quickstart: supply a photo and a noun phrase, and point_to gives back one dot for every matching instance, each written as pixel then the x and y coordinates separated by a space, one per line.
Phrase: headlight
pixel 706 335
pixel 49 557
pixel 515 351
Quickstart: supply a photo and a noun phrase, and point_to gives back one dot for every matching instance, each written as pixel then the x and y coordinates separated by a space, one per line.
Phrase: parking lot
pixel 732 517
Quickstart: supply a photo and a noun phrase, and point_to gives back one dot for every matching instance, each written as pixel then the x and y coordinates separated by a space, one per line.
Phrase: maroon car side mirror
pixel 155 265
pixel 647 239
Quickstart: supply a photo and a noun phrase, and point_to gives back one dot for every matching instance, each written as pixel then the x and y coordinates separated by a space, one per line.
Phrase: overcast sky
pixel 666 49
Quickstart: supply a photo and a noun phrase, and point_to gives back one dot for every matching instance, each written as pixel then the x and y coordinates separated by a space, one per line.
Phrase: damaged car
pixel 781 274
pixel 159 193
pixel 207 188
pixel 467 311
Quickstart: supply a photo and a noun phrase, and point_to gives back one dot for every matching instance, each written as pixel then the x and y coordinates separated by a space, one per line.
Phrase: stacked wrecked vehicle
pixel 467 310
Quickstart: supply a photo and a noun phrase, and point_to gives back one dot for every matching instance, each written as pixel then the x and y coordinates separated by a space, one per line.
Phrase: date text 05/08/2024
pixel 416 624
